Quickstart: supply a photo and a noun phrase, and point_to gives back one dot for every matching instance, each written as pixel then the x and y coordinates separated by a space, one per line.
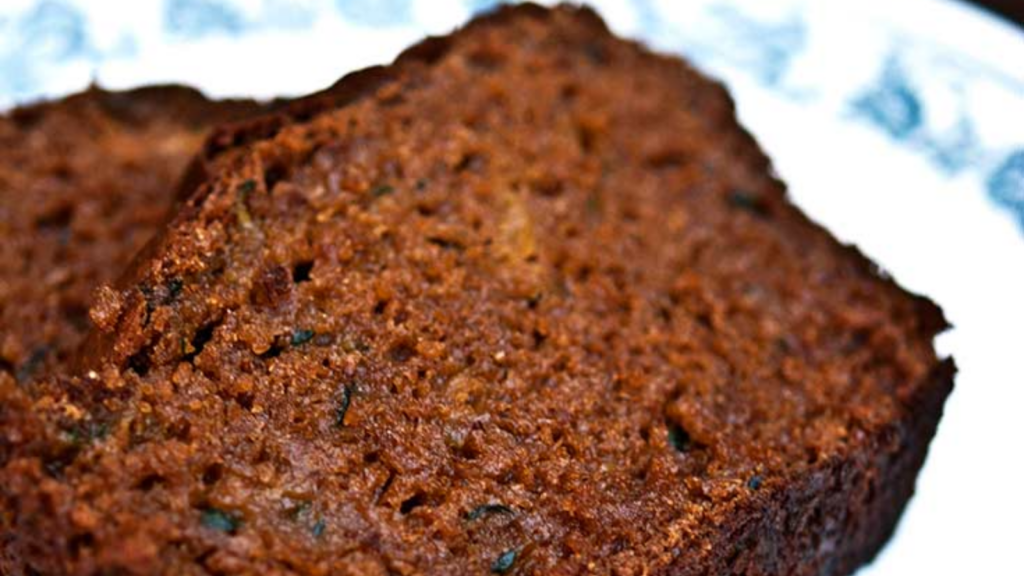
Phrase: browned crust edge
pixel 122 104
pixel 836 516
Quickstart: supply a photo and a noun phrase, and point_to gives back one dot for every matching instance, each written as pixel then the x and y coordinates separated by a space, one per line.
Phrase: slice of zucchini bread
pixel 528 301
pixel 84 182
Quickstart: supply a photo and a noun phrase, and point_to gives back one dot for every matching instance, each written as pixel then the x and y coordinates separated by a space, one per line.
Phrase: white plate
pixel 899 125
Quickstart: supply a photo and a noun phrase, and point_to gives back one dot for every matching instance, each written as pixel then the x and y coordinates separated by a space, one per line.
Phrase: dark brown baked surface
pixel 84 183
pixel 528 301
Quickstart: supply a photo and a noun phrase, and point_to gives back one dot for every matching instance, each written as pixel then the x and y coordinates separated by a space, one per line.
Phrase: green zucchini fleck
pixel 748 202
pixel 219 520
pixel 300 337
pixel 247 187
pixel 504 563
pixel 679 438
pixel 34 363
pixel 319 528
pixel 174 288
pixel 87 432
pixel 382 190
pixel 346 401
pixel 487 509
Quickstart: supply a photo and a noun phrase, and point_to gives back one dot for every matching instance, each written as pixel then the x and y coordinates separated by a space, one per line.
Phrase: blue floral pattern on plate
pixel 726 40
pixel 1006 184
pixel 196 18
